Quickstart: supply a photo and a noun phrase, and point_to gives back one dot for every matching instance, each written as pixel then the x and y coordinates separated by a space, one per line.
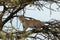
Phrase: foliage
pixel 12 7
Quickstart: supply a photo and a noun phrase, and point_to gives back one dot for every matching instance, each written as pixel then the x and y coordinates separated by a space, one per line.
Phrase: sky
pixel 43 15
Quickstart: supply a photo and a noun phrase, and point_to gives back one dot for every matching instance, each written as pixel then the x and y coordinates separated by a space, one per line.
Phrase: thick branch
pixel 14 12
pixel 11 15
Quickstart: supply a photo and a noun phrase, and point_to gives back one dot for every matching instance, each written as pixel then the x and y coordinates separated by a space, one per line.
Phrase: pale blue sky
pixel 43 15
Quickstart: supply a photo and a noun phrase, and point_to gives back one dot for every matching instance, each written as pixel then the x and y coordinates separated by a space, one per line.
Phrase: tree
pixel 14 6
